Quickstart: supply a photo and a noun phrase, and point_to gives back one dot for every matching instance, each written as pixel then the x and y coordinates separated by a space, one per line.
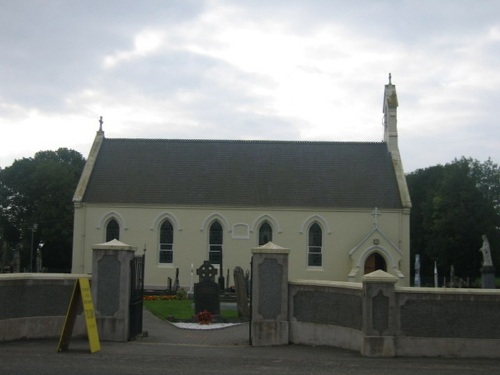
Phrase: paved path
pixel 166 333
pixel 170 350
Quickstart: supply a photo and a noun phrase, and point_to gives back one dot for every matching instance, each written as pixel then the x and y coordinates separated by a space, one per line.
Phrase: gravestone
pixel 248 282
pixel 176 284
pixel 206 290
pixel 241 293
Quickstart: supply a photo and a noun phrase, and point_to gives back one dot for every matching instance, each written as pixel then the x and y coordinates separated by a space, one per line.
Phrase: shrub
pixel 181 293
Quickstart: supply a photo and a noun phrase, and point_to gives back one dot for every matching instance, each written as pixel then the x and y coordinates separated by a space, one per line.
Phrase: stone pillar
pixel 379 319
pixel 488 277
pixel 111 289
pixel 269 325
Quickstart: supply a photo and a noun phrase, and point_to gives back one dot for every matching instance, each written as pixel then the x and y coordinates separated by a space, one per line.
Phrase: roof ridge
pixel 197 140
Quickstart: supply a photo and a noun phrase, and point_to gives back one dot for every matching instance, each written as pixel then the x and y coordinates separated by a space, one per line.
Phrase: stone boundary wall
pixel 34 306
pixel 448 322
pixel 326 313
pixel 379 319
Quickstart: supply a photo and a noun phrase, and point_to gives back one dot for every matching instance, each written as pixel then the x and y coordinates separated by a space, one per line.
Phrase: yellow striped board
pixel 81 297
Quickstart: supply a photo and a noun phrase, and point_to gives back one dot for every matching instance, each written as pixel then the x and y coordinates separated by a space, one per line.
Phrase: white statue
pixel 485 249
pixel 417 271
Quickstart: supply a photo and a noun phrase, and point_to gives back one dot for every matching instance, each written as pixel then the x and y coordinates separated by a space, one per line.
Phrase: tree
pixel 39 191
pixel 453 205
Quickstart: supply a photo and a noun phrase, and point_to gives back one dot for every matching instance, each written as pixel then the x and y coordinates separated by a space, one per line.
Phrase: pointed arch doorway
pixel 375 262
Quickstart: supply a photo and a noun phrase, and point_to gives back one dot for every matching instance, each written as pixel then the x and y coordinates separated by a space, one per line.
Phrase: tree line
pixel 36 209
pixel 453 205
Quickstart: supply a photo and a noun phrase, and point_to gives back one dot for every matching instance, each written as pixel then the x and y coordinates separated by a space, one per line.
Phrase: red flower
pixel 204 317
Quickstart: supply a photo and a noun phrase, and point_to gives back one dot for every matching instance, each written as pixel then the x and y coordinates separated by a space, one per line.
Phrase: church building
pixel 342 208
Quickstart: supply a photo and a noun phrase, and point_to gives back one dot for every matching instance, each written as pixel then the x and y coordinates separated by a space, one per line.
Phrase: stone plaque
pixel 270 288
pixel 380 308
pixel 108 288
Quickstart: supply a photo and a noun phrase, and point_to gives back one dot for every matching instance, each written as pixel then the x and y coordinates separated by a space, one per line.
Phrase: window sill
pixel 166 265
pixel 315 269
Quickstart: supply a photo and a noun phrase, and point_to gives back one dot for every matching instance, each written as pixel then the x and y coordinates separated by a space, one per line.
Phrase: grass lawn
pixel 180 309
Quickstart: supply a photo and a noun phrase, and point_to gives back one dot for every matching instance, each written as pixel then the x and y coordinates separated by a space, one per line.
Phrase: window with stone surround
pixel 112 230
pixel 315 248
pixel 166 253
pixel 265 233
pixel 215 243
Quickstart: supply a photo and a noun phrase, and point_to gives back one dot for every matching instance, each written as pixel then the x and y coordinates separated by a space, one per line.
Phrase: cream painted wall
pixel 342 231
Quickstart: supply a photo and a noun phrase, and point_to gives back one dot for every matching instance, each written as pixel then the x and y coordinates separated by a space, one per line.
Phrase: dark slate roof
pixel 244 174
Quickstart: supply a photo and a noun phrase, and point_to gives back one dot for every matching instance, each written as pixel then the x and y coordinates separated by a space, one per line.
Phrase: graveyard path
pixel 163 332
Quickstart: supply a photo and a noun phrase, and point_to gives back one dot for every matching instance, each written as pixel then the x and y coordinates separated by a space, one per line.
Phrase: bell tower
pixel 390 109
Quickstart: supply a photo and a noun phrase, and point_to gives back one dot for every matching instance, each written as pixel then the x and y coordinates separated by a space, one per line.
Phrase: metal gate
pixel 136 296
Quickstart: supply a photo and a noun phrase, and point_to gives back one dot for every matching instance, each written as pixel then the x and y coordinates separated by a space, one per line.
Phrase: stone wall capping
pixel 380 276
pixel 328 284
pixel 439 291
pixel 42 276
pixel 270 248
pixel 113 245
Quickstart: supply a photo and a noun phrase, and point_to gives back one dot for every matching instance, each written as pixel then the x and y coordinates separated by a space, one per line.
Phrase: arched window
pixel 166 242
pixel 315 248
pixel 112 230
pixel 265 233
pixel 215 243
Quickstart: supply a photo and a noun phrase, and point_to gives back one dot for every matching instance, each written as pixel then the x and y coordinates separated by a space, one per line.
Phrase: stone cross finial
pixel 390 78
pixel 100 124
pixel 375 213
pixel 206 271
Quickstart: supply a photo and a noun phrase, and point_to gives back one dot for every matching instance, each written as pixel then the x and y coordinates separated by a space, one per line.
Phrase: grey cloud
pixel 50 49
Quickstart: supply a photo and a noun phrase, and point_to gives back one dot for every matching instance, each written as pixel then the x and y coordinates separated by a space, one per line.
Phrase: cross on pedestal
pixel 375 213
pixel 206 271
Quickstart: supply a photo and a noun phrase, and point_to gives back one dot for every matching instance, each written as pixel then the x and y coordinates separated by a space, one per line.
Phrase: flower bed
pixel 160 298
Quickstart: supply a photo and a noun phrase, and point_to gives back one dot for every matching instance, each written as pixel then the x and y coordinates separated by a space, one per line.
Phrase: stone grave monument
pixel 240 285
pixel 206 290
pixel 176 283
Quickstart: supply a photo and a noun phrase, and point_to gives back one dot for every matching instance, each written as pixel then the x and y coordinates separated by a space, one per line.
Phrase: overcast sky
pixel 254 69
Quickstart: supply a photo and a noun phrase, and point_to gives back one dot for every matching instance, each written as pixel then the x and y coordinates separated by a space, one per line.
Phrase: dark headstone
pixel 206 291
pixel 241 293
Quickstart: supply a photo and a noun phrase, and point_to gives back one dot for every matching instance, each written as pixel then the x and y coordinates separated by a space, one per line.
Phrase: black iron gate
pixel 136 296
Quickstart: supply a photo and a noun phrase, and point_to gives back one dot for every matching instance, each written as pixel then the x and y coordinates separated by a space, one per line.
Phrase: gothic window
pixel 215 243
pixel 265 233
pixel 315 248
pixel 166 242
pixel 112 230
